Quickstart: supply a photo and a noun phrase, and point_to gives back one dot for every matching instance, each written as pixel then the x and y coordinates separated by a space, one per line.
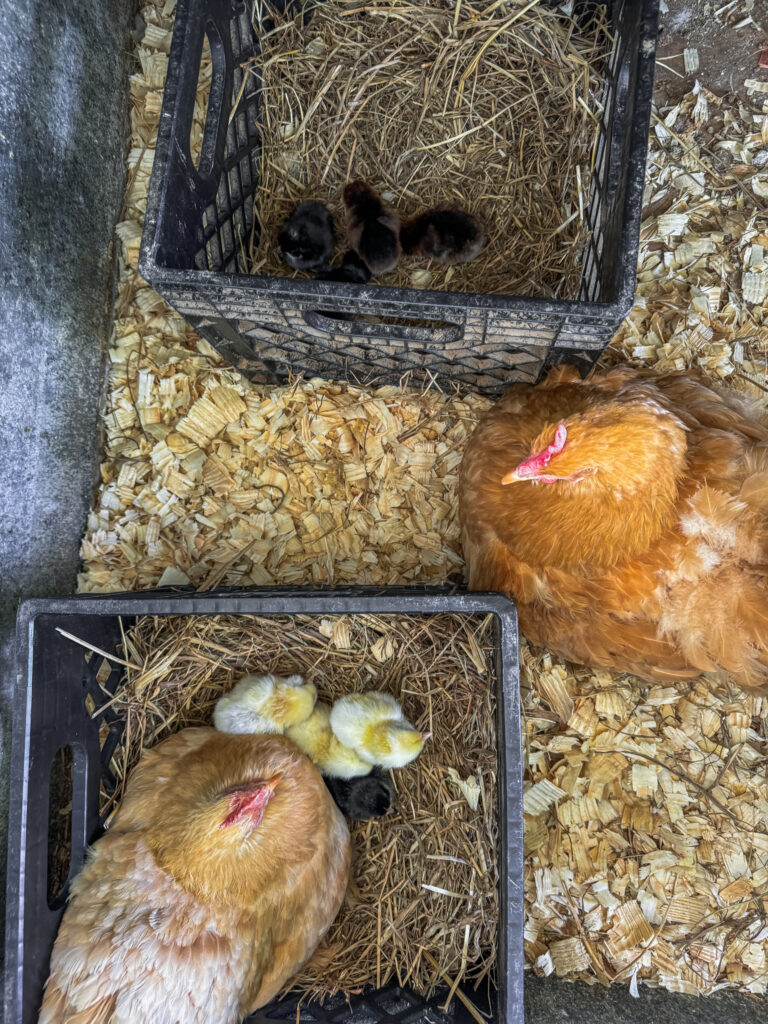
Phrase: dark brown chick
pixel 373 230
pixel 445 234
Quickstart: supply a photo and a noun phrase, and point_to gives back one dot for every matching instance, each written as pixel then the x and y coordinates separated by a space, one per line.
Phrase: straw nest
pixel 493 109
pixel 423 899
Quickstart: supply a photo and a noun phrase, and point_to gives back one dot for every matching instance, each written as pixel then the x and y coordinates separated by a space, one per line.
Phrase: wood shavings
pixel 672 223
pixel 658 800
pixel 553 683
pixel 630 928
pixel 540 797
pixel 754 287
pixel 649 919
pixel 367 494
pixel 470 788
pixel 568 957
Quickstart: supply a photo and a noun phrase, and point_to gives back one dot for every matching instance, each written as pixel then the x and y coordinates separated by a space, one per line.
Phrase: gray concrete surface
pixel 728 56
pixel 549 1001
pixel 63 130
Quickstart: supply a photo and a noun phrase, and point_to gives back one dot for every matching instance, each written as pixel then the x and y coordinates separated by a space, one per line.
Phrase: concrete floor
pixel 63 132
pixel 63 128
pixel 727 55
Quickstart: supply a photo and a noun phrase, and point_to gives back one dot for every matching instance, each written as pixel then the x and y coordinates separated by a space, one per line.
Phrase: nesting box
pixel 57 693
pixel 200 215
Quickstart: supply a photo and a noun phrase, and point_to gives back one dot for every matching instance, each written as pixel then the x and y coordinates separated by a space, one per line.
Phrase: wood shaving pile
pixel 703 267
pixel 238 484
pixel 647 823
pixel 424 881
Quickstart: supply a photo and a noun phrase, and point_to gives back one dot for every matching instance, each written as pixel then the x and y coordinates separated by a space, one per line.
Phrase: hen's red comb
pixel 535 463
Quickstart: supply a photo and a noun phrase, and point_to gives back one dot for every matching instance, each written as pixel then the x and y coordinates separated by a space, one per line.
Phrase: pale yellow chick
pixel 265 704
pixel 316 738
pixel 373 725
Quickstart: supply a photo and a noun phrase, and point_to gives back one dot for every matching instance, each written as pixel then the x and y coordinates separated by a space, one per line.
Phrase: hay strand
pixel 494 111
pixel 424 880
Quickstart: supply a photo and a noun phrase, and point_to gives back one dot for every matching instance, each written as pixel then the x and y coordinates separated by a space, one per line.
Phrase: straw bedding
pixel 493 107
pixel 424 881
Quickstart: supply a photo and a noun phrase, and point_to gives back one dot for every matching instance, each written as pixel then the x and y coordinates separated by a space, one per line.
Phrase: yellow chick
pixel 265 704
pixel 373 725
pixel 315 737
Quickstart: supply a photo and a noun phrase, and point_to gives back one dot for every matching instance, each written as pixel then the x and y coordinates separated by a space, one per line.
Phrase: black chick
pixel 445 234
pixel 306 237
pixel 351 269
pixel 363 797
pixel 373 230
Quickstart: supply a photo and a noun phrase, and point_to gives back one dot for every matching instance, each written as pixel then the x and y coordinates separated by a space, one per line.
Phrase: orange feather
pixel 643 544
pixel 179 914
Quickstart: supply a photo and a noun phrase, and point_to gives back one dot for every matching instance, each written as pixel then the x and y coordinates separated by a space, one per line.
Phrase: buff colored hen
pixel 225 866
pixel 627 515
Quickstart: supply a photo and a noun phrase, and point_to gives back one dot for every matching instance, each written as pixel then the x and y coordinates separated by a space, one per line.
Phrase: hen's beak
pixel 512 478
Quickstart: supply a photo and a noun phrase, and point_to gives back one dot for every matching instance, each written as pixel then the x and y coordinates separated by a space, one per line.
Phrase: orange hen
pixel 224 867
pixel 627 515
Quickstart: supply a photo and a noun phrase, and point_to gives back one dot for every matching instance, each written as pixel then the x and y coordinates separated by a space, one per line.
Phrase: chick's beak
pixel 426 735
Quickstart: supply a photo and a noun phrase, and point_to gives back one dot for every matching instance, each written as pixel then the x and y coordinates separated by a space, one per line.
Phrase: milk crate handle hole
pixel 386 328
pixel 215 123
pixel 67 782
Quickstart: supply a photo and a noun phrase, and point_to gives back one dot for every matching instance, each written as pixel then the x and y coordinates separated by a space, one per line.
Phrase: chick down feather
pixel 265 704
pixel 374 726
pixel 316 738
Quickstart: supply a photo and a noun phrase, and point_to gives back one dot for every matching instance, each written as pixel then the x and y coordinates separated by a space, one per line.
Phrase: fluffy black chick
pixel 445 234
pixel 373 230
pixel 351 269
pixel 306 237
pixel 363 797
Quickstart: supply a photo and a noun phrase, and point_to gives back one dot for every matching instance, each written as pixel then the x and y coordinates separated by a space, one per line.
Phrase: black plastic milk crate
pixel 56 675
pixel 199 219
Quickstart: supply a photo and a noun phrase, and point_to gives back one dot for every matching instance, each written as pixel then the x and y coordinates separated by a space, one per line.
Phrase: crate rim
pixel 398 599
pixel 208 282
pixel 366 599
pixel 313 291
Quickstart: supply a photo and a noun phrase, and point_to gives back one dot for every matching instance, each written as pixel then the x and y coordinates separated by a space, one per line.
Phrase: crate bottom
pixel 388 1005
pixel 488 368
